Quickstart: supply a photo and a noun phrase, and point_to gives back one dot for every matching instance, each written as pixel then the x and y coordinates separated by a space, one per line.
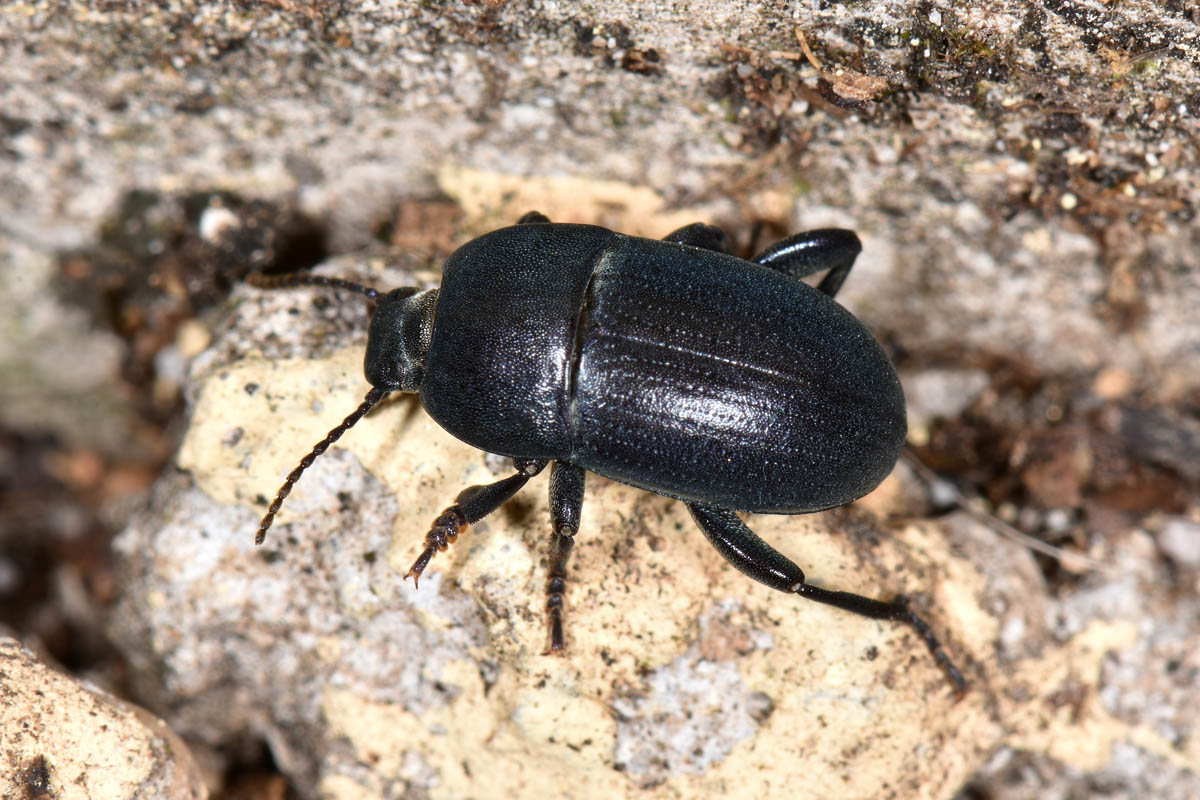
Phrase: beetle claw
pixel 418 567
pixel 557 644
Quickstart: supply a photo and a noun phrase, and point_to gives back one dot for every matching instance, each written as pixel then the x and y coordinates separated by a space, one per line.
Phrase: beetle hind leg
pixel 758 560
pixel 566 504
pixel 472 504
pixel 833 249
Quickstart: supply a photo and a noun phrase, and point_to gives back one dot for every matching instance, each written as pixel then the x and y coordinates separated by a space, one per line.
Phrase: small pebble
pixel 1179 538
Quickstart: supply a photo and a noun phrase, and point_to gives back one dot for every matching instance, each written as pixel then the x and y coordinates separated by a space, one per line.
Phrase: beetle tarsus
pixel 905 614
pixel 419 566
pixel 897 610
pixel 556 587
pixel 442 533
pixel 472 504
pixel 446 528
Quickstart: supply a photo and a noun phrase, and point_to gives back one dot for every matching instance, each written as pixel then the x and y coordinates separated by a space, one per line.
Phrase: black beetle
pixel 670 365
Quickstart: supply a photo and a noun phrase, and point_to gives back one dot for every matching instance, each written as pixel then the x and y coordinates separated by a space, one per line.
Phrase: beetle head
pixel 397 345
pixel 398 340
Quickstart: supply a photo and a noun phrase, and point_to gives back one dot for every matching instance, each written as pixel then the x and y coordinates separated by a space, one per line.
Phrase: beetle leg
pixel 709 237
pixel 472 504
pixel 532 217
pixel 566 503
pixel 833 249
pixel 757 559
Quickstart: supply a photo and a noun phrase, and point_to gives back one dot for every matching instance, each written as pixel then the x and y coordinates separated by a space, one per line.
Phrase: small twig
pixel 786 55
pixel 961 502
pixel 809 54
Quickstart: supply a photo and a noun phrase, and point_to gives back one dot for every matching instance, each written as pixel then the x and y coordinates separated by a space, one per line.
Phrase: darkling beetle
pixel 671 365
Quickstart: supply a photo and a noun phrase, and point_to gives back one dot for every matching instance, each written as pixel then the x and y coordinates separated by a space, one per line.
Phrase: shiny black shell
pixel 682 371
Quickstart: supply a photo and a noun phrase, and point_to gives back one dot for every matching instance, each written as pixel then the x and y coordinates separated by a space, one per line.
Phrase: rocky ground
pixel 1024 178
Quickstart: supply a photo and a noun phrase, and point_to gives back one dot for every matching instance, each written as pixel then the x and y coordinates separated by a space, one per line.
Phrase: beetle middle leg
pixel 472 504
pixel 758 560
pixel 803 254
pixel 566 504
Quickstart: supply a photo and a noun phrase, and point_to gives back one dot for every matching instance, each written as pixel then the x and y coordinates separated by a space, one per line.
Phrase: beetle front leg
pixel 757 559
pixel 833 249
pixel 472 504
pixel 566 504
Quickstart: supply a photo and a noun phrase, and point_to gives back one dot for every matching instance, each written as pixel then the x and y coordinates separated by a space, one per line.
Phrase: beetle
pixel 670 365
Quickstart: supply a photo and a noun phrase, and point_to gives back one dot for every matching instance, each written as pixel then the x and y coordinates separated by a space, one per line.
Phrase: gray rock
pixel 1025 185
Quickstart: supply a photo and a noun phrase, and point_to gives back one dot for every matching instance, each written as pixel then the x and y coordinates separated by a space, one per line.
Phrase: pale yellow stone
pixel 85 742
pixel 642 576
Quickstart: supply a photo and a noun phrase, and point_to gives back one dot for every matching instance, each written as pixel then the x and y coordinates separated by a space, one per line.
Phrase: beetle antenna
pixel 374 396
pixel 305 279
